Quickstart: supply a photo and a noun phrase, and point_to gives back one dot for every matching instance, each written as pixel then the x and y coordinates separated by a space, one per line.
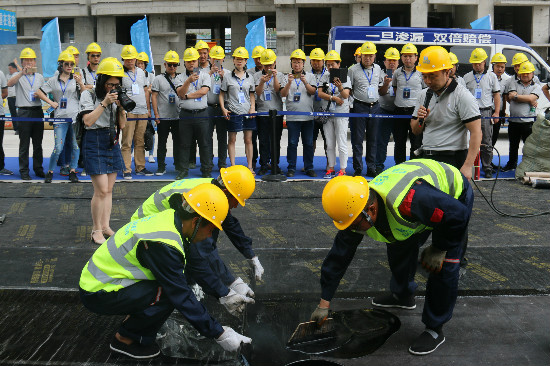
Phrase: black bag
pixel 149 136
pixel 78 126
pixel 323 119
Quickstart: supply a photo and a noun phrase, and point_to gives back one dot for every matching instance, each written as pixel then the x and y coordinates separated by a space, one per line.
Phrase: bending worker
pixel 402 207
pixel 238 184
pixel 139 272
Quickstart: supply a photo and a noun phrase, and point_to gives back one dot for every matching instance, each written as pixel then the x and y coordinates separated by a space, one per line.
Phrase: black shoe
pixel 182 175
pixel 207 174
pixel 379 170
pixel 192 165
pixel 371 173
pixel 290 173
pixel 507 168
pixel 48 178
pixel 488 173
pixel 392 301
pixel 311 173
pixel 427 342
pixel 40 174
pixel 135 350
pixel 494 167
pixel 263 171
pixel 145 172
pixel 72 177
pixel 25 176
pixel 357 173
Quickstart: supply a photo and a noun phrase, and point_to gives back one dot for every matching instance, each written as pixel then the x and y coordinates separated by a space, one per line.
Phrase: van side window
pixel 463 54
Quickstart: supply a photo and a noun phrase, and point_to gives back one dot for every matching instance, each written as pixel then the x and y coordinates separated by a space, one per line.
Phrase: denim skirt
pixel 99 157
pixel 238 123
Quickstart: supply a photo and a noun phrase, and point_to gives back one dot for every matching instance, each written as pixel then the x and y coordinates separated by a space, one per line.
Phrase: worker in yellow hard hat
pixel 203 48
pixel 140 272
pixel 357 55
pixel 402 206
pixel 256 53
pixel 498 63
pixel 453 73
pixel 318 69
pixel 89 73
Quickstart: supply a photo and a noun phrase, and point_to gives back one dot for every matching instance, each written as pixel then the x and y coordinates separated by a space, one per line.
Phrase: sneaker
pixel 427 342
pixel 72 177
pixel 357 173
pixel 151 159
pixel 6 172
pixel 263 171
pixel 48 178
pixel 83 173
pixel 127 176
pixel 192 165
pixel 145 172
pixel 207 175
pixel 135 350
pixel 507 168
pixel 25 176
pixel 340 173
pixel 311 173
pixel 160 171
pixel 329 174
pixel 182 175
pixel 371 173
pixel 392 301
pixel 64 171
pixel 40 174
pixel 488 173
pixel 290 173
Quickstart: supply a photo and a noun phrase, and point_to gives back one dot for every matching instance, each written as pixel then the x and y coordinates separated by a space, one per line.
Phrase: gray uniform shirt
pixel 318 103
pixel 87 104
pixel 196 103
pixel 60 89
pixel 275 101
pixel 445 127
pixel 513 79
pixel 365 82
pixel 137 92
pixel 3 84
pixel 331 89
pixel 11 89
pixel 88 77
pixel 503 80
pixel 165 93
pixel 387 101
pixel 408 87
pixel 524 109
pixel 233 87
pixel 23 88
pixel 214 92
pixel 302 102
pixel 482 87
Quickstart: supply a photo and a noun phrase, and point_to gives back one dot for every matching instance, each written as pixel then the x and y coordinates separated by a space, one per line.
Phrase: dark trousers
pixel 385 128
pixel 318 127
pixel 164 128
pixel 496 128
pixel 27 131
pixel 361 128
pixel 442 287
pixel 195 127
pixel 13 111
pixel 145 303
pixel 517 131
pixel 220 124
pixel 264 125
pixel 2 156
pixel 402 130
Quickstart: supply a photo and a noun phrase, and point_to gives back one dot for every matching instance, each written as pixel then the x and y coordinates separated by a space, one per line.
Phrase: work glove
pixel 235 303
pixel 432 259
pixel 258 269
pixel 241 288
pixel 320 315
pixel 231 340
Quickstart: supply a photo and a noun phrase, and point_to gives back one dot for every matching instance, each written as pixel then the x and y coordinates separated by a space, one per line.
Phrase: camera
pixel 125 101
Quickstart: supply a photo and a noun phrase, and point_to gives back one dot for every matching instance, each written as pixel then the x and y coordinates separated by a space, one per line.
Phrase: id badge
pixel 296 97
pixel 406 93
pixel 31 96
pixel 198 99
pixel 217 89
pixel 478 93
pixel 392 92
pixel 317 97
pixel 267 95
pixel 135 89
pixel 371 92
pixel 171 98
pixel 63 103
pixel 242 99
pixel 332 106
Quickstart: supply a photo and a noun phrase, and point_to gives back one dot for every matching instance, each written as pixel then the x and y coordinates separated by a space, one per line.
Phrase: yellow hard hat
pixel 257 51
pixel 208 201
pixel 332 55
pixel 268 57
pixel 27 53
pixel 66 56
pixel 93 47
pixel 357 51
pixel 392 54
pixel 344 198
pixel 498 57
pixel 434 58
pixel 454 59
pixel 73 50
pixel 142 56
pixel 526 68
pixel 217 53
pixel 191 54
pixel 128 52
pixel 298 53
pixel 519 58
pixel 239 181
pixel 317 54
pixel 368 48
pixel 172 57
pixel 478 55
pixel 241 52
pixel 110 66
pixel 409 48
pixel 201 45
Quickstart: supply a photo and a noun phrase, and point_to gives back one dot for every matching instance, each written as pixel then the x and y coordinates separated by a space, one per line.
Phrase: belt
pixel 365 103
pixel 193 111
pixel 486 109
pixel 442 152
pixel 406 109
pixel 213 105
pixel 36 107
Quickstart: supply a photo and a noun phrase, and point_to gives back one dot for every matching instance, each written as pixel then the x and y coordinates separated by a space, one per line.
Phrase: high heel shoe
pixel 92 237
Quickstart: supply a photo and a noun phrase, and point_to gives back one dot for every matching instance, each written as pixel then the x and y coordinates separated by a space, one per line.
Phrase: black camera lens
pixel 125 101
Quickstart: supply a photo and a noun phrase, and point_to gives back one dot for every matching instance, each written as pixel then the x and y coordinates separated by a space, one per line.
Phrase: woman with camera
pixel 102 114
pixel 65 89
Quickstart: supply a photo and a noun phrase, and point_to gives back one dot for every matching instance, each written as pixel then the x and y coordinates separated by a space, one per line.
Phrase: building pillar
pixel 339 15
pixel 84 29
pixel 419 13
pixel 159 26
pixel 238 30
pixel 286 18
pixel 541 29
pixel 106 29
pixel 359 14
pixel 32 27
pixel 178 26
pixel 484 8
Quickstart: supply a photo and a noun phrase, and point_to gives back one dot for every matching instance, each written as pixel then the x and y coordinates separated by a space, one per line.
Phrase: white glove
pixel 235 303
pixel 258 269
pixel 197 290
pixel 241 288
pixel 231 340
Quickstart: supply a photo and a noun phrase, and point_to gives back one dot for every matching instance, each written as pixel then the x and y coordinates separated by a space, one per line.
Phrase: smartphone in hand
pixel 389 72
pixel 196 70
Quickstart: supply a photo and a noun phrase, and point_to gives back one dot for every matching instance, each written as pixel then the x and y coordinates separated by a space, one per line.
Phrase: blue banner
pixel 8 27
pixel 482 23
pixel 140 40
pixel 383 23
pixel 50 47
pixel 255 37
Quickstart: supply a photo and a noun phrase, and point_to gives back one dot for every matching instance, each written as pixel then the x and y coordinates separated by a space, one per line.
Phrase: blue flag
pixel 50 47
pixel 383 23
pixel 8 27
pixel 482 23
pixel 140 40
pixel 255 37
